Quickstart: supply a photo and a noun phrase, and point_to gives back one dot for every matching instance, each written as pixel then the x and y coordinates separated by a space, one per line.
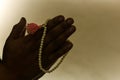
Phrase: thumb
pixel 18 28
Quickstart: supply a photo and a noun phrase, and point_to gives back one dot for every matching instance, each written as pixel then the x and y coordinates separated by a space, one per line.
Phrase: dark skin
pixel 20 53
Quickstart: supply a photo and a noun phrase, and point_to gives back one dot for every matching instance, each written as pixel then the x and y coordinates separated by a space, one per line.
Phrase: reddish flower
pixel 32 28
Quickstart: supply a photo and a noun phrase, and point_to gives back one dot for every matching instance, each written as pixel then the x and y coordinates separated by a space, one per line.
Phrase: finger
pixel 55 44
pixel 55 21
pixel 22 34
pixel 70 21
pixel 62 51
pixel 55 32
pixel 17 29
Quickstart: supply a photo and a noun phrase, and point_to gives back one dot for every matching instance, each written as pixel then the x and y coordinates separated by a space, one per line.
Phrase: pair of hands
pixel 20 53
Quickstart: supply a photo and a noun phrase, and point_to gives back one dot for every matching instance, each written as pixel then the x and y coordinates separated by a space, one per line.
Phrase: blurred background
pixel 96 53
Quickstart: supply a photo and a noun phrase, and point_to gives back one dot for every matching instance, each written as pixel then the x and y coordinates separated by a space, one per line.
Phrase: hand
pixel 20 52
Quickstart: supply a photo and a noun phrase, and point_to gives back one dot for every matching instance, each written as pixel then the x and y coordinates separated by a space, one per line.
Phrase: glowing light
pixel 1 2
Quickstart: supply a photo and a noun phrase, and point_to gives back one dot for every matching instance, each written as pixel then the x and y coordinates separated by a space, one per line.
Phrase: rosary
pixel 32 28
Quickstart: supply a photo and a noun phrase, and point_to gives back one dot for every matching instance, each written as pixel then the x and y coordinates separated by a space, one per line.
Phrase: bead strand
pixel 40 55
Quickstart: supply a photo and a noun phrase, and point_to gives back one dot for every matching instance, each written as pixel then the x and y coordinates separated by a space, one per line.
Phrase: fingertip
pixel 69 44
pixel 61 17
pixel 72 29
pixel 23 19
pixel 70 21
pixel 58 19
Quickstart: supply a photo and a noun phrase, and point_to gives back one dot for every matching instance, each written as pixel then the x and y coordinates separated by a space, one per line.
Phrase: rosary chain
pixel 40 54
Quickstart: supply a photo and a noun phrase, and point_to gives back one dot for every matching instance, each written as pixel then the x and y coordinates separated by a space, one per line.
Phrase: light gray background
pixel 96 53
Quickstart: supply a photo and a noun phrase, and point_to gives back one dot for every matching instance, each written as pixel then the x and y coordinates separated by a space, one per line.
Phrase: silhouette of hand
pixel 20 53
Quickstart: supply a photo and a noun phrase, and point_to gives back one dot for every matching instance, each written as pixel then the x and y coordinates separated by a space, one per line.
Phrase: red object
pixel 32 28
